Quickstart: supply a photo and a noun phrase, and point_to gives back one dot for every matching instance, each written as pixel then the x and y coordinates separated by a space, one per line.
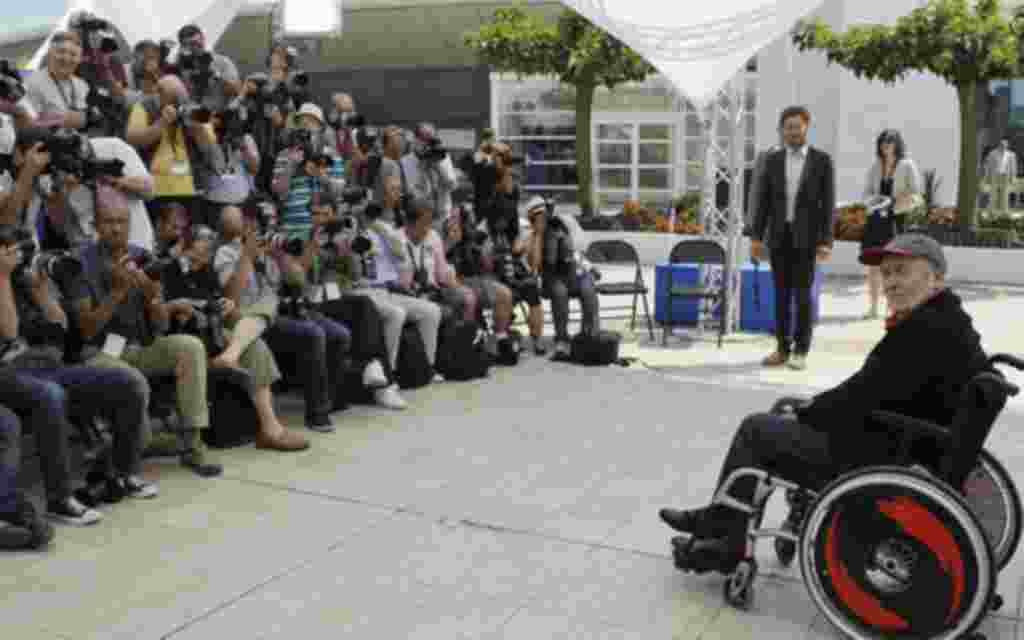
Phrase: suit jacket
pixel 815 202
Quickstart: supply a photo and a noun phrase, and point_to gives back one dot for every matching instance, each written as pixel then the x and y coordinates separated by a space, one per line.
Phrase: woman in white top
pixel 893 175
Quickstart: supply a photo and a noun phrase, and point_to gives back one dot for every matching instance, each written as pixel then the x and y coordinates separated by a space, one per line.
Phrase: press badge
pixel 180 168
pixel 332 291
pixel 114 345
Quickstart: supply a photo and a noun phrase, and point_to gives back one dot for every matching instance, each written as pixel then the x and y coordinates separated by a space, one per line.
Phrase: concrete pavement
pixel 523 506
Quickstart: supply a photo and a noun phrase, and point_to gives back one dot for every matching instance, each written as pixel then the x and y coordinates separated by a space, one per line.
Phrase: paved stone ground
pixel 519 507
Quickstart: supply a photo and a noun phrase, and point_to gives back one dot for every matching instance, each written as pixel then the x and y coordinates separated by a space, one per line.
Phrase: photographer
pixel 250 273
pixel 340 120
pixel 121 312
pixel 242 158
pixel 59 96
pixel 508 251
pixel 191 279
pixel 488 161
pixel 147 69
pixel 172 227
pixel 211 78
pixel 300 174
pixel 380 267
pixel 390 167
pixel 177 143
pixel 432 277
pixel 467 253
pixel 552 255
pixel 57 207
pixel 430 174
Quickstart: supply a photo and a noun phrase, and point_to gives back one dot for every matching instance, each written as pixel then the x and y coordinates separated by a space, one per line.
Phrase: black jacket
pixel 918 369
pixel 815 201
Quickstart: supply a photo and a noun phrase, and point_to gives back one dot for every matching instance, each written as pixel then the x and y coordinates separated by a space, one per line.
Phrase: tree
pixel 579 53
pixel 966 43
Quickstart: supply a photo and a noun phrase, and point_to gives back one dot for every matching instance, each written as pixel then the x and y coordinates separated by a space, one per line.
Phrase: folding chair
pixel 620 252
pixel 702 253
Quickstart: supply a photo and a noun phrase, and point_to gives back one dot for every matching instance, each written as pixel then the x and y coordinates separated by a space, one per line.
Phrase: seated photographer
pixel 381 258
pixel 392 143
pixel 430 174
pixel 552 255
pixel 509 245
pixel 251 273
pixel 33 328
pixel 488 161
pixel 58 95
pixel 211 77
pixel 432 277
pixel 58 208
pixel 23 528
pixel 192 280
pixel 834 433
pixel 122 314
pixel 466 254
pixel 172 227
pixel 177 143
pixel 300 174
pixel 323 263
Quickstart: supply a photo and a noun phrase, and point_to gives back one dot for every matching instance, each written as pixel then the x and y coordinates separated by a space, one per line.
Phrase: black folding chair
pixel 620 252
pixel 702 253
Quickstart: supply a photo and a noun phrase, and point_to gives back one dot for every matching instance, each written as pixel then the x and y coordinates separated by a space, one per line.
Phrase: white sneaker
pixel 71 511
pixel 373 375
pixel 389 398
pixel 438 378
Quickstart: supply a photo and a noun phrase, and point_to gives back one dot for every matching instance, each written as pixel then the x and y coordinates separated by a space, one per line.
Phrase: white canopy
pixel 699 46
pixel 153 19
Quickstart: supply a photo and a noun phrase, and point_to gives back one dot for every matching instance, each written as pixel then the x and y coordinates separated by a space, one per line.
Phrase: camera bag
pixel 461 349
pixel 233 417
pixel 599 349
pixel 413 369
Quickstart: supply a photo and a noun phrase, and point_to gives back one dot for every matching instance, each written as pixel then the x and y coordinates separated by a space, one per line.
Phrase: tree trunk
pixel 967 193
pixel 584 164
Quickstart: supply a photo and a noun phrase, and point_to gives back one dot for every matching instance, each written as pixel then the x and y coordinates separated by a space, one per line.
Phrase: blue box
pixel 762 319
pixel 684 310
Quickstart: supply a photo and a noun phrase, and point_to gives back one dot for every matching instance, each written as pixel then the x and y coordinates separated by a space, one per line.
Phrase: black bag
pixel 461 350
pixel 599 349
pixel 510 348
pixel 413 370
pixel 233 417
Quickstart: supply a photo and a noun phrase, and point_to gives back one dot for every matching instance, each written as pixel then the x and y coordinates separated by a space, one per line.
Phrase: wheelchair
pixel 897 551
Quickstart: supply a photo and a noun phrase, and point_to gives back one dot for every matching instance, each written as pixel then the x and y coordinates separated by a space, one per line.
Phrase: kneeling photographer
pixel 43 391
pixel 122 317
pixel 53 191
pixel 251 267
pixel 552 254
pixel 232 338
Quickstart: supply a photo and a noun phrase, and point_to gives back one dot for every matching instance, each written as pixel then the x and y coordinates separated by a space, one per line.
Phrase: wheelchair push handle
pixel 1009 360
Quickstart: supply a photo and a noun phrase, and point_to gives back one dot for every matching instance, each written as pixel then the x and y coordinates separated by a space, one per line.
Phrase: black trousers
pixel 793 276
pixel 780 445
pixel 360 315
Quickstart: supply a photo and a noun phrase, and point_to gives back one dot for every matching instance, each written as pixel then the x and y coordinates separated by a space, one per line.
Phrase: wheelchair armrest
pixel 1005 358
pixel 913 426
pixel 997 380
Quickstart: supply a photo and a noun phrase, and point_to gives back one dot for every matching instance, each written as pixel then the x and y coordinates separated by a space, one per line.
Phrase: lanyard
pixel 423 257
pixel 69 105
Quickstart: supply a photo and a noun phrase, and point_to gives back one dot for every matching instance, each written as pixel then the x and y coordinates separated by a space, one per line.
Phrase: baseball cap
pixel 310 109
pixel 911 245
pixel 188 32
pixel 536 202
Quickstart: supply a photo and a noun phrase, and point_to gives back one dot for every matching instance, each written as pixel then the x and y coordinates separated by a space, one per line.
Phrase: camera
pixel 193 113
pixel 62 267
pixel 97 34
pixel 431 150
pixel 192 59
pixel 234 120
pixel 152 266
pixel 12 89
pixel 303 139
pixel 207 324
pixel 281 242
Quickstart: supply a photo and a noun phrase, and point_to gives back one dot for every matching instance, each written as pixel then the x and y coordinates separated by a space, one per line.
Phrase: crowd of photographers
pixel 162 217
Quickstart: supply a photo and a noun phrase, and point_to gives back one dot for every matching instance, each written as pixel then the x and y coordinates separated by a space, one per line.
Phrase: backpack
pixel 413 369
pixel 233 417
pixel 461 350
pixel 509 349
pixel 599 349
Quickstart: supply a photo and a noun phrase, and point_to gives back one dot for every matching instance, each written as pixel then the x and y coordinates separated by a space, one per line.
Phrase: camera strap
pixel 70 105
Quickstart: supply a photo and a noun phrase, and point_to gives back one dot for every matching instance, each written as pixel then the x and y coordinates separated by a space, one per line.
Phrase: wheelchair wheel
pixel 993 498
pixel 739 586
pixel 888 552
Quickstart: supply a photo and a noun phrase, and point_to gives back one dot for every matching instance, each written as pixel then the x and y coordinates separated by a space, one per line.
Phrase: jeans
pixel 40 406
pixel 361 316
pixel 319 348
pixel 781 446
pixel 10 459
pixel 119 395
pixel 559 289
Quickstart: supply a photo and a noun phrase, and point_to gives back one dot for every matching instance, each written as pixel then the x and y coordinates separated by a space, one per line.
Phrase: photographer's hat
pixel 310 109
pixel 188 32
pixel 536 202
pixel 910 245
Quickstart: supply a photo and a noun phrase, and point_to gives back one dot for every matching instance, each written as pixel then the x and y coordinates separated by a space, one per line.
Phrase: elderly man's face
pixel 908 282
pixel 113 224
pixel 64 59
pixel 232 222
pixel 392 190
pixel 344 104
pixel 421 227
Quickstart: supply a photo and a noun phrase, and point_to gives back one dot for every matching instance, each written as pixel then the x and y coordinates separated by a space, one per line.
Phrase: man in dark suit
pixel 795 200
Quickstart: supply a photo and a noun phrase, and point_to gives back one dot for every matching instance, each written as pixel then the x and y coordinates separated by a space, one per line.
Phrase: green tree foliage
pixel 576 51
pixel 967 43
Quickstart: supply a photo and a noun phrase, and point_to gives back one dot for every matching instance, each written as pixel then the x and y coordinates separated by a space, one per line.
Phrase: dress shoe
pixel 286 440
pixel 777 359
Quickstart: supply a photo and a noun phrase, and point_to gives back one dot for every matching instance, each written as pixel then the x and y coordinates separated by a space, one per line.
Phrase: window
pixel 634 161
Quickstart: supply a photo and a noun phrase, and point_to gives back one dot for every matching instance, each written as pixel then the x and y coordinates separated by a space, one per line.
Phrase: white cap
pixel 535 203
pixel 310 109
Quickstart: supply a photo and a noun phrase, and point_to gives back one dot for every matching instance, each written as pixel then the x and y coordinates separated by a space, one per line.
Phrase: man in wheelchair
pixel 928 354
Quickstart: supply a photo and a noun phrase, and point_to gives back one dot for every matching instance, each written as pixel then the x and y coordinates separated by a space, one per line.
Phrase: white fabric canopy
pixel 699 46
pixel 153 19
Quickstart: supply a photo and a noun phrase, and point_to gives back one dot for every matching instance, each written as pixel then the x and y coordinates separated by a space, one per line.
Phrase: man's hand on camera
pixel 169 115
pixel 8 259
pixel 36 160
pixel 252 246
pixel 227 307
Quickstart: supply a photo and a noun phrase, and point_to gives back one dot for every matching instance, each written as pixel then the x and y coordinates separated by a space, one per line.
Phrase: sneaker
pixel 26 529
pixel 71 511
pixel 798 362
pixel 437 379
pixel 538 347
pixel 320 423
pixel 373 375
pixel 389 398
pixel 136 487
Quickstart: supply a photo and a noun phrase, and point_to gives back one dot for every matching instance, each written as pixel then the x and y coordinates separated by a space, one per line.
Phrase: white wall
pixel 849 113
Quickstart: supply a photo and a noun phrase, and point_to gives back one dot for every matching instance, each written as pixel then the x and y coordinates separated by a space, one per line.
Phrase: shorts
pixel 486 290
